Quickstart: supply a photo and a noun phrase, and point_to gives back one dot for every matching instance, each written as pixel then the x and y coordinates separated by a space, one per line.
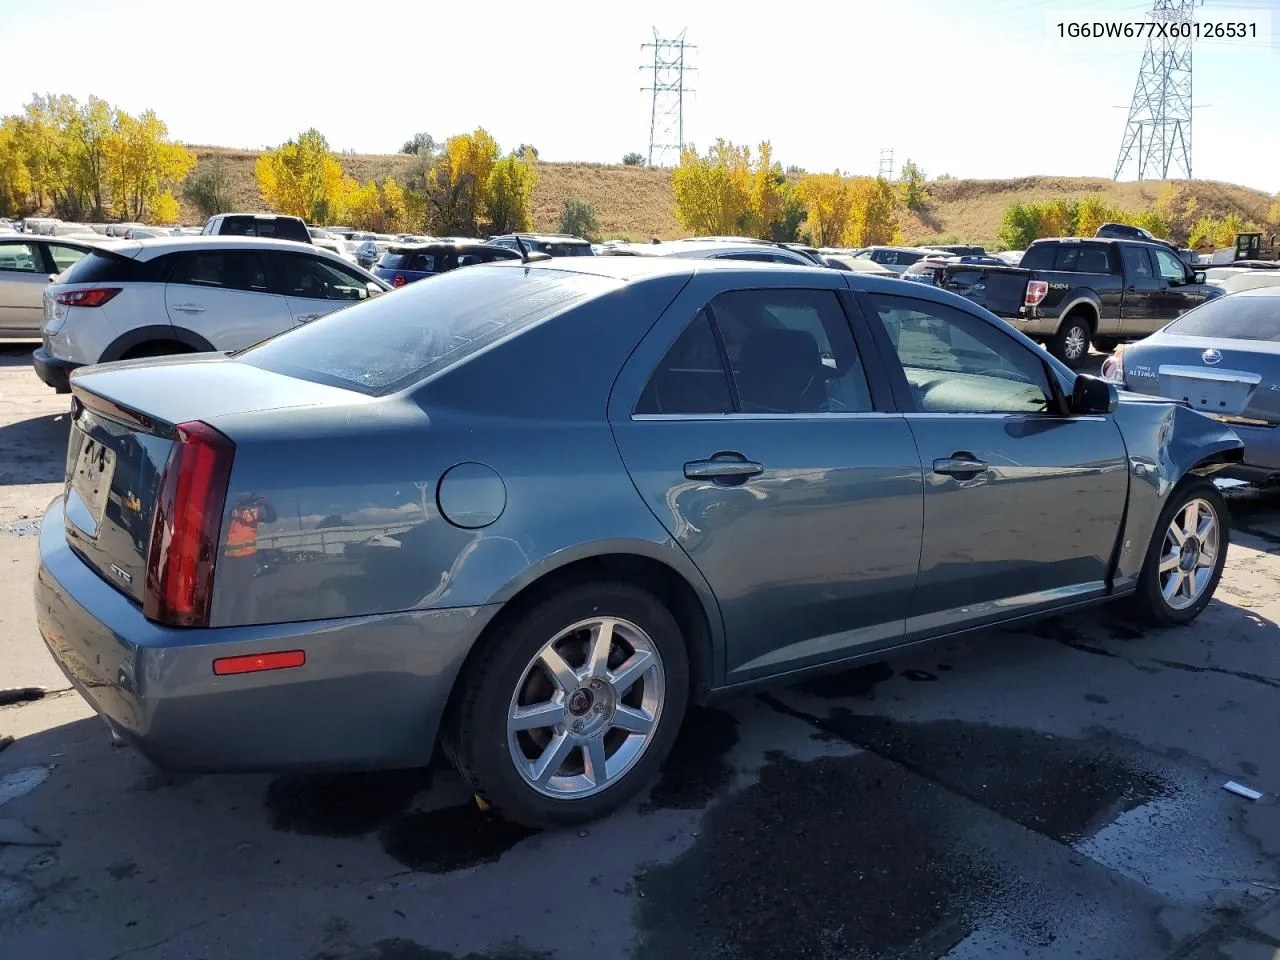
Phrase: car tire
pixel 1192 596
pixel 1071 343
pixel 495 734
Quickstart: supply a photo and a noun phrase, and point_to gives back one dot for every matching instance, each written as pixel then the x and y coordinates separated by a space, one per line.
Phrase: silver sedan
pixel 26 265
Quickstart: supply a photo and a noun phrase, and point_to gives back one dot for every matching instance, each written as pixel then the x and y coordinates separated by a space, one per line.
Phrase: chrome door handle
pixel 728 467
pixel 961 465
pixel 308 317
pixel 188 307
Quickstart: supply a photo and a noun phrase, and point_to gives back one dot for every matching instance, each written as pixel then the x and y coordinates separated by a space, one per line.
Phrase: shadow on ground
pixel 34 450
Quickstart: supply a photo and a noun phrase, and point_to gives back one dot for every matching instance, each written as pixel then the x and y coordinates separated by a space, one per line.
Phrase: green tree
pixel 421 144
pixel 633 159
pixel 1019 226
pixel 911 186
pixel 578 218
pixel 208 187
pixel 509 194
pixel 526 149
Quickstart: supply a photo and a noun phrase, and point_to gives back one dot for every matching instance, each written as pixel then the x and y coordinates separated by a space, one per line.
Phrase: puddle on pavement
pixel 859 682
pixel 698 765
pixel 833 857
pixel 451 838
pixel 1066 789
pixel 400 949
pixel 341 804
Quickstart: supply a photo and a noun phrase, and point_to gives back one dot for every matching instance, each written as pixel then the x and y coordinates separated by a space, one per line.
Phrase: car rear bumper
pixel 370 694
pixel 52 371
pixel 1261 455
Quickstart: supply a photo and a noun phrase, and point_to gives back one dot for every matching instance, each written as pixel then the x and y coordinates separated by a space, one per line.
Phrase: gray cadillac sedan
pixel 1223 358
pixel 531 510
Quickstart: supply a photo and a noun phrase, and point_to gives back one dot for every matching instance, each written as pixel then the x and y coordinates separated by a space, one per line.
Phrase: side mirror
pixel 1092 396
pixel 1199 275
pixel 374 289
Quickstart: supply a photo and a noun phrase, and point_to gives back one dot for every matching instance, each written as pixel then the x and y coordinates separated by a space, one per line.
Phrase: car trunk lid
pixel 124 426
pixel 1001 290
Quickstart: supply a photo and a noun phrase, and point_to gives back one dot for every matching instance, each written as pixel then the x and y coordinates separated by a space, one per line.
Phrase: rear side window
pixel 691 378
pixel 391 261
pixel 225 269
pixel 426 262
pixel 1136 263
pixel 393 341
pixel 20 257
pixel 1093 259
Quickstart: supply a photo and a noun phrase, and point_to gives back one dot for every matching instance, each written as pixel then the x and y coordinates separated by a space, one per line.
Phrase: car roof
pixel 547 237
pixel 1267 291
pixel 447 245
pixel 152 247
pixel 258 216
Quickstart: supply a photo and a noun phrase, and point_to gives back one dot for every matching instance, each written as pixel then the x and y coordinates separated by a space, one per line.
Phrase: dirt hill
pixel 639 203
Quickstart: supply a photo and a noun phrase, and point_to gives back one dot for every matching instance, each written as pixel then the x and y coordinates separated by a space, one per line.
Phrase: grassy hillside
pixel 639 203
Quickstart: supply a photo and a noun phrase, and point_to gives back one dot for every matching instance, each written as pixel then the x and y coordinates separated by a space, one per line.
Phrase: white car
pixel 150 298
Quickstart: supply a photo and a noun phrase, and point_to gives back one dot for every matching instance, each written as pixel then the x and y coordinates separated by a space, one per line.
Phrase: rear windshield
pixel 1236 317
pixel 282 228
pixel 565 249
pixel 398 339
pixel 100 267
pixel 391 261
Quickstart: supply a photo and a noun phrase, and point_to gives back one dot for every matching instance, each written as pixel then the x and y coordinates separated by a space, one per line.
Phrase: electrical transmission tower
pixel 666 117
pixel 886 163
pixel 1157 137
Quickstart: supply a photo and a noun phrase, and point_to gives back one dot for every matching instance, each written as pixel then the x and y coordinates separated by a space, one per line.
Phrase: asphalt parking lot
pixel 1050 792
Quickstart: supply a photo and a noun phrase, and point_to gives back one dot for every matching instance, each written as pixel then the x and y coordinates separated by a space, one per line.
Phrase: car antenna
pixel 528 256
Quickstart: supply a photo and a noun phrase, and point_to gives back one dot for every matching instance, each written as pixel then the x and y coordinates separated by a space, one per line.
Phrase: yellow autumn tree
pixel 15 178
pixel 873 217
pixel 828 203
pixel 727 191
pixel 509 197
pixel 457 191
pixel 302 178
pixel 142 166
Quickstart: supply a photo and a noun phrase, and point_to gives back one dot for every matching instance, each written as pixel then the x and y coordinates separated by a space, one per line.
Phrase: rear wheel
pixel 568 710
pixel 156 348
pixel 1186 555
pixel 1071 343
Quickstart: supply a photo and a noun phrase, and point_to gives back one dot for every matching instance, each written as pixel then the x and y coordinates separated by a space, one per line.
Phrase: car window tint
pixel 691 378
pixel 1241 316
pixel 317 279
pixel 391 342
pixel 422 261
pixel 1067 255
pixel 65 257
pixel 21 258
pixel 1039 256
pixel 758 257
pixel 237 227
pixel 1093 259
pixel 958 363
pixel 227 269
pixel 1136 263
pixel 1170 267
pixel 791 351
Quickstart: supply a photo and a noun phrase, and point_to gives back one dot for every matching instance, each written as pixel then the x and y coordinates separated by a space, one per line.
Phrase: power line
pixel 666 115
pixel 1157 136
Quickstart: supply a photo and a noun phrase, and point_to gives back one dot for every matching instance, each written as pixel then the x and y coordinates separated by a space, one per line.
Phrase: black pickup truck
pixel 1069 291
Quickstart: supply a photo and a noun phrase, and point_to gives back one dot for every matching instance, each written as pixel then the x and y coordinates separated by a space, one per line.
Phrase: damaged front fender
pixel 1166 441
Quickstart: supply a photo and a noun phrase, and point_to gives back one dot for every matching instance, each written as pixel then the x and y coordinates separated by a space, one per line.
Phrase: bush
pixel 633 159
pixel 208 188
pixel 579 219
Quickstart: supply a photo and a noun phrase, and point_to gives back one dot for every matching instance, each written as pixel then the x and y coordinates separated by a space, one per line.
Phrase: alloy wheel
pixel 586 707
pixel 1189 554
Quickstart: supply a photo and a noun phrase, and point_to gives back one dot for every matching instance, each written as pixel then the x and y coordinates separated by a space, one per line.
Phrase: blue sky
pixel 971 89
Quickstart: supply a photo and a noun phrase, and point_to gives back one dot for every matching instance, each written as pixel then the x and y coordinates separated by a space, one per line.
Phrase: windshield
pixel 396 340
pixel 1235 317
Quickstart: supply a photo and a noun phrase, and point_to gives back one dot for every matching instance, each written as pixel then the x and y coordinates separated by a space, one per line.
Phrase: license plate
pixel 91 477
pixel 1221 392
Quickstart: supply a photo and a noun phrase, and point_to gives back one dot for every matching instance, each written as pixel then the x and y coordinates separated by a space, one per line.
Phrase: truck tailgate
pixel 1000 289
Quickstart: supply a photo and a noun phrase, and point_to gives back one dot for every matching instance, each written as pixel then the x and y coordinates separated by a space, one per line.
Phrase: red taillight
pixel 399 280
pixel 187 526
pixel 1037 290
pixel 256 662
pixel 87 298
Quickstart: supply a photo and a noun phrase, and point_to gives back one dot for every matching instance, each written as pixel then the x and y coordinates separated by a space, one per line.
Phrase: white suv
pixel 158 297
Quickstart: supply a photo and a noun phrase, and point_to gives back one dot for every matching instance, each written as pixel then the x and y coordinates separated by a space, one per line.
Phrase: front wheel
pixel 1186 555
pixel 1071 343
pixel 568 710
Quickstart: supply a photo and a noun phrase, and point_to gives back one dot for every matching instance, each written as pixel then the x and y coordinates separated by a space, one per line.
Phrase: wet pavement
pixel 1048 792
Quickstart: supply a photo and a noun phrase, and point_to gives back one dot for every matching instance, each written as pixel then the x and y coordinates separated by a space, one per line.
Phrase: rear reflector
pixel 87 298
pixel 398 281
pixel 256 662
pixel 187 526
pixel 1037 290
